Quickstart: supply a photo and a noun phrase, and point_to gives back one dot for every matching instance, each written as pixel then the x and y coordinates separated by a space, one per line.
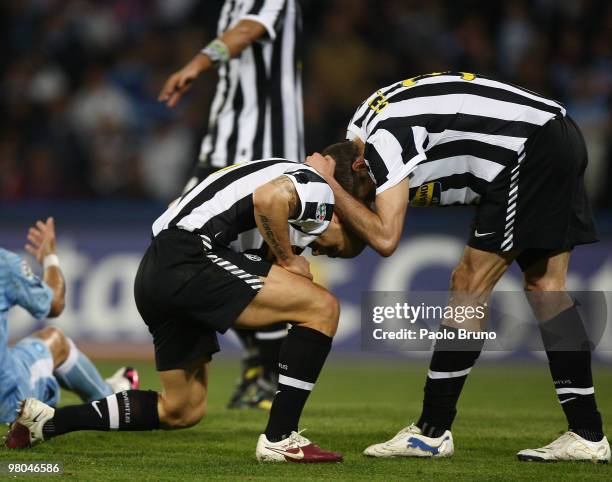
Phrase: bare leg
pixel 473 279
pixel 545 286
pixel 569 359
pixel 287 296
pixel 182 402
pixel 471 284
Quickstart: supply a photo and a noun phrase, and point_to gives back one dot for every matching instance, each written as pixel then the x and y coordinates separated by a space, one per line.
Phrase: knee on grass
pixel 181 415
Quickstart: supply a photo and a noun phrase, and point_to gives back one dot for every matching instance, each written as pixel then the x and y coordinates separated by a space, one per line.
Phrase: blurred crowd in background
pixel 80 78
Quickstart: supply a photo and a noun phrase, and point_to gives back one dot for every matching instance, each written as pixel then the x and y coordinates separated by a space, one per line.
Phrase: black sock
pixel 569 359
pixel 269 342
pixel 571 373
pixel 129 410
pixel 251 361
pixel 246 337
pixel 300 361
pixel 565 332
pixel 447 373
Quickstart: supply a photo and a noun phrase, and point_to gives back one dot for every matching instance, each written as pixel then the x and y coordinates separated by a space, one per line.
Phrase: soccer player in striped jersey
pixel 456 138
pixel 256 113
pixel 207 270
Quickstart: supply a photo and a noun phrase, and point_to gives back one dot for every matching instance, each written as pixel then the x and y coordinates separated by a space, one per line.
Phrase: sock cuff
pixel 566 332
pixel 148 408
pixel 150 400
pixel 311 335
pixel 271 335
pixel 70 361
pixel 454 362
pixel 133 410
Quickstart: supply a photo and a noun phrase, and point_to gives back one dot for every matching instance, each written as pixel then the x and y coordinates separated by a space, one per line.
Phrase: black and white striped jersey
pixel 220 208
pixel 450 133
pixel 257 110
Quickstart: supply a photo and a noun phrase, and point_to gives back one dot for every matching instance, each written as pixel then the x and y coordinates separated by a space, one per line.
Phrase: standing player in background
pixel 256 113
pixel 39 364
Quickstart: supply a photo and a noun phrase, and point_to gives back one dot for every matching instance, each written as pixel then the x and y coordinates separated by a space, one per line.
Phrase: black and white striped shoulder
pixel 451 133
pixel 220 208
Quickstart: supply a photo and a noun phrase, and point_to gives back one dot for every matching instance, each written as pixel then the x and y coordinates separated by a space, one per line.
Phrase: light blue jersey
pixel 27 368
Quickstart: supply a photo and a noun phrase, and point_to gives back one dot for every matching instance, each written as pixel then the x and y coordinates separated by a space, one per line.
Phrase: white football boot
pixel 409 442
pixel 295 448
pixel 569 446
pixel 27 429
pixel 126 378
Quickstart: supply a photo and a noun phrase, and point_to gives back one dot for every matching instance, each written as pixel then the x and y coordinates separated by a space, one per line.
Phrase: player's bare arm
pixel 382 229
pixel 274 204
pixel 41 245
pixel 234 40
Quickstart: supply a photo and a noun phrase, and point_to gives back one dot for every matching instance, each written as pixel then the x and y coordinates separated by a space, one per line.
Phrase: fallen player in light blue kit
pixel 39 364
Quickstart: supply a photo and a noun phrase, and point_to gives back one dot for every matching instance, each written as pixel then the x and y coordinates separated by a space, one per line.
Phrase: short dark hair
pixel 344 153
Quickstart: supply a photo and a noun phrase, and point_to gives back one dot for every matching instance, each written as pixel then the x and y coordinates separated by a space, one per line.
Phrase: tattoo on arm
pixel 288 189
pixel 271 238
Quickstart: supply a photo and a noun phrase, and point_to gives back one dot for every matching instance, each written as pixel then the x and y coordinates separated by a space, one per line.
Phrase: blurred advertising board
pixel 100 247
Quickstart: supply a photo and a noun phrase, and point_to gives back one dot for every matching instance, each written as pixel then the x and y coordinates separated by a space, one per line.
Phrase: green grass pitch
pixel 504 408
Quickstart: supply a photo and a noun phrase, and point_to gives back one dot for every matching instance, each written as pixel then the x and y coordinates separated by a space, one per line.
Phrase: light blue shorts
pixel 31 363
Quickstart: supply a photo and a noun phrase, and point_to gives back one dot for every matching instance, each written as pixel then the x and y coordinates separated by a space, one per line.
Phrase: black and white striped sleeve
pixel 270 14
pixel 316 197
pixel 391 157
pixel 356 125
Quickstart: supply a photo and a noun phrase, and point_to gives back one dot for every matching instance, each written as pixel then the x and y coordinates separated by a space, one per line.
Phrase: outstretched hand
pixel 176 85
pixel 180 82
pixel 41 239
pixel 324 165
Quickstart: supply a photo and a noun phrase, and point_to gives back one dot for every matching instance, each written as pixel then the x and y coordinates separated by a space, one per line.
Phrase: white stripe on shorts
pixel 253 281
pixel 508 241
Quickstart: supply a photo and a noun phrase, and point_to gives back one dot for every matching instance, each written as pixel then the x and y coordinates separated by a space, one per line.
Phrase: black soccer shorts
pixel 539 205
pixel 186 293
